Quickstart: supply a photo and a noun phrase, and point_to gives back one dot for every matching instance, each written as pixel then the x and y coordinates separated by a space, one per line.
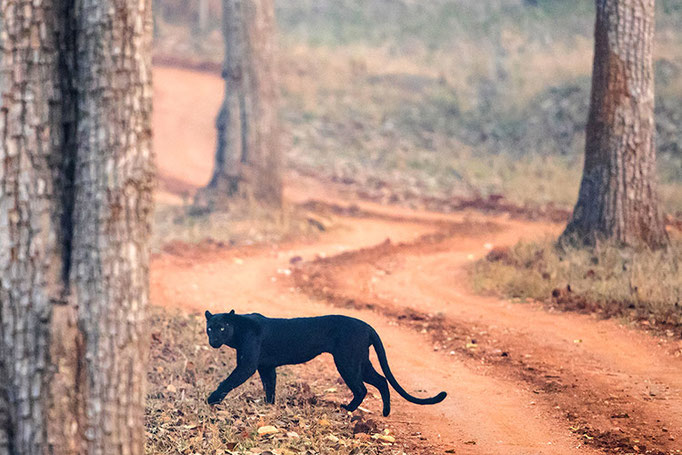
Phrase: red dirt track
pixel 520 379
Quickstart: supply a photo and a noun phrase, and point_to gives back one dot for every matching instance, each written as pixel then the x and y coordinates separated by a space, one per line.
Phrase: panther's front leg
pixel 234 380
pixel 247 363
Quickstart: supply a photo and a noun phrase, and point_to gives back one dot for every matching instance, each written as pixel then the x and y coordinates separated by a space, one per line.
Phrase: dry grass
pixel 418 122
pixel 534 68
pixel 671 197
pixel 240 223
pixel 183 370
pixel 637 284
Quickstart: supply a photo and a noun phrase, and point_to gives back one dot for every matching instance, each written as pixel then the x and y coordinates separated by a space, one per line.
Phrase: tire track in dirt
pixel 618 389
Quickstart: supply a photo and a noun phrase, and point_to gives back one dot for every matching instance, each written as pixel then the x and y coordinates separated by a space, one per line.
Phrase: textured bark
pixel 618 194
pixel 75 206
pixel 29 265
pixel 248 155
pixel 111 216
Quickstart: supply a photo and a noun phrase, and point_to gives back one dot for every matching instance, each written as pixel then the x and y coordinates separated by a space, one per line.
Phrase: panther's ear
pixel 208 315
pixel 232 312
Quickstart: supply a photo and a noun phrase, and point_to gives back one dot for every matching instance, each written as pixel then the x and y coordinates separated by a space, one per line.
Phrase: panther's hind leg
pixel 350 370
pixel 268 375
pixel 371 376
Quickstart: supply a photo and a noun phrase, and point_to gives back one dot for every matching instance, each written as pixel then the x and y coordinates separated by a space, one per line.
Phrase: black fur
pixel 263 344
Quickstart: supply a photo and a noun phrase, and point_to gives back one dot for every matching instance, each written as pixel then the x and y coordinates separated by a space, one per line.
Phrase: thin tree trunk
pixel 75 206
pixel 230 123
pixel 618 194
pixel 263 146
pixel 248 155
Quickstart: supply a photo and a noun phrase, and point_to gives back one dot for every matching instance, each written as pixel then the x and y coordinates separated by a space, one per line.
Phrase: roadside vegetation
pixel 638 285
pixel 238 223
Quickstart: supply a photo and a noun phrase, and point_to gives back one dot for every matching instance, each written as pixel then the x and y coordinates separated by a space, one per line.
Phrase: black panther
pixel 263 344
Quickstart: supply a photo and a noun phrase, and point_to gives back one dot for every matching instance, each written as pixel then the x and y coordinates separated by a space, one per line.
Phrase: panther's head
pixel 219 328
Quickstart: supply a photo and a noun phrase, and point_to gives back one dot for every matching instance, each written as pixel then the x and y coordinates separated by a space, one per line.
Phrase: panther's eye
pixel 209 329
pixel 222 329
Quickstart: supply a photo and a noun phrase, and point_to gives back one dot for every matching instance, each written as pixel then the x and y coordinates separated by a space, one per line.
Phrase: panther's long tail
pixel 381 355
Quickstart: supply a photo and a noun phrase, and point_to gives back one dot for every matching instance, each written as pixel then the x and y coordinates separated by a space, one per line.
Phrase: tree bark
pixel 618 193
pixel 75 209
pixel 29 284
pixel 248 155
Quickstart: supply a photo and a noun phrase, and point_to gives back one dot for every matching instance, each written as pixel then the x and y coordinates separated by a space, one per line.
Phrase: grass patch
pixel 637 284
pixel 183 370
pixel 239 223
pixel 364 114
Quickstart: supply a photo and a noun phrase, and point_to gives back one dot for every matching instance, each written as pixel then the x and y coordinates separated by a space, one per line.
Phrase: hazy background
pixel 438 98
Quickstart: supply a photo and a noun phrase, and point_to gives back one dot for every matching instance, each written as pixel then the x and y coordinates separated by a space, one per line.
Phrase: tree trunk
pixel 75 210
pixel 29 90
pixel 618 194
pixel 248 155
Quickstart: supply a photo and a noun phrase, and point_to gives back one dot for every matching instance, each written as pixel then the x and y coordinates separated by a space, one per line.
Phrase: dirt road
pixel 521 379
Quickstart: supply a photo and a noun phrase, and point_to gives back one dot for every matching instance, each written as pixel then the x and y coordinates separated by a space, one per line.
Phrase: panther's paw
pixel 215 398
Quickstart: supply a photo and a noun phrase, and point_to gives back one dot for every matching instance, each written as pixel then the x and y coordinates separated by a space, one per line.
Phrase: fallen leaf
pixel 267 430
pixel 384 437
